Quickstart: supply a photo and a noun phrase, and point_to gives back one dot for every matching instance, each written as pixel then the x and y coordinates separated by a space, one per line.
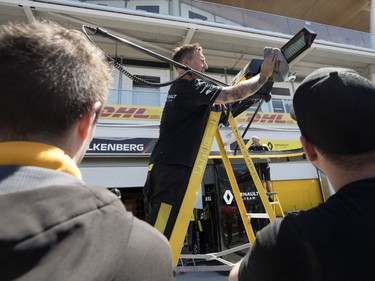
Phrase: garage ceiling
pixel 352 14
pixel 227 48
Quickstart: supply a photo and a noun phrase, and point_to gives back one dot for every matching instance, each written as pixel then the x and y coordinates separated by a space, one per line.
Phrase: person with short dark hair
pixel 182 125
pixel 53 226
pixel 333 241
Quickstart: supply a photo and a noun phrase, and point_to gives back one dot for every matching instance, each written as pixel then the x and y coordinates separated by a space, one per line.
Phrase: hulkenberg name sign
pixel 116 146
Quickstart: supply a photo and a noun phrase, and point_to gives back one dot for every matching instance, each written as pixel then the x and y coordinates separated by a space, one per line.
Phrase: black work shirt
pixel 261 147
pixel 183 122
pixel 334 241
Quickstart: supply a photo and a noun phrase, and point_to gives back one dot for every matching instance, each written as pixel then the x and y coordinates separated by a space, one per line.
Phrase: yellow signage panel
pixel 280 144
pixel 131 112
pixel 153 113
pixel 281 119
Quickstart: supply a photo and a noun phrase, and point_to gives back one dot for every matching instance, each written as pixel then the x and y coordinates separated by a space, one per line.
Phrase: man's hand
pixel 268 64
pixel 250 86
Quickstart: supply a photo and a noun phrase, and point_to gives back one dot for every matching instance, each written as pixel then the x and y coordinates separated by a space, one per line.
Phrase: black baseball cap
pixel 335 110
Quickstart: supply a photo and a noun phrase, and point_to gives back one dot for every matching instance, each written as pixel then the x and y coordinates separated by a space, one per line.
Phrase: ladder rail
pixel 253 172
pixel 183 218
pixel 276 203
pixel 235 188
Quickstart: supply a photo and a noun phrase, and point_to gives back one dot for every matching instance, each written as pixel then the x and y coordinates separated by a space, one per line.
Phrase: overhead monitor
pixel 298 44
pixel 291 50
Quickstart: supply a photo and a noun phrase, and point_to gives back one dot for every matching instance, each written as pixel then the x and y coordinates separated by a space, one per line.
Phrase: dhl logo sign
pixel 266 118
pixel 153 113
pixel 122 112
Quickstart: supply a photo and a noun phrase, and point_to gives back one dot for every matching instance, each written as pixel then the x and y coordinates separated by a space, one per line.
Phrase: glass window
pixel 280 91
pixel 144 94
pixel 193 15
pixel 278 106
pixel 288 105
pixel 346 36
pixel 264 21
pixel 148 8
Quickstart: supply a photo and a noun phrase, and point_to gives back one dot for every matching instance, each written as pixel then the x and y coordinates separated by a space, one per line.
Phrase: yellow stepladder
pixel 235 189
pixel 270 210
pixel 182 222
pixel 275 204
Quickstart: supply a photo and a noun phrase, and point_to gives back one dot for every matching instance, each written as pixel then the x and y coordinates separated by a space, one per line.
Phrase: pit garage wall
pixel 297 185
pixel 116 161
pixel 115 172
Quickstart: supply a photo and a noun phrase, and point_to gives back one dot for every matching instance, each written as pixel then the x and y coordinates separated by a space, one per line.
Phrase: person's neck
pixel 186 77
pixel 341 177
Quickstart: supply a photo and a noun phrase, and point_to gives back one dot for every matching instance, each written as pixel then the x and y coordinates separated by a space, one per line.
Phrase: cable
pixel 144 82
pixel 188 70
pixel 248 125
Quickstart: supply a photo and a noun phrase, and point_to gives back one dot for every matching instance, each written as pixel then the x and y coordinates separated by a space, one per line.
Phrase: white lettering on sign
pixel 128 147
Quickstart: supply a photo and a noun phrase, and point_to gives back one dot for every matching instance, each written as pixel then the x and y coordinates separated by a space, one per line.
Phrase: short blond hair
pixel 185 51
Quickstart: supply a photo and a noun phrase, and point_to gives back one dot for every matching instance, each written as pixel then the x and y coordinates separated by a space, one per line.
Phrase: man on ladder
pixel 183 122
pixel 262 165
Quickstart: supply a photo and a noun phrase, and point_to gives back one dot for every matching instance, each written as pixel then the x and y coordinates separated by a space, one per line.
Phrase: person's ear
pixel 88 119
pixel 185 61
pixel 309 149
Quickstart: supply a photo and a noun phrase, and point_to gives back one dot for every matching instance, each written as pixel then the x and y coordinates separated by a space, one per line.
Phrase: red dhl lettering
pixel 107 111
pixel 124 112
pixel 266 118
pixel 139 113
pixel 279 119
pixel 250 115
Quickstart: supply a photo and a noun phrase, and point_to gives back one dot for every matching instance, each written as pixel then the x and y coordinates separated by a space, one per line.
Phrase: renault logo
pixel 228 197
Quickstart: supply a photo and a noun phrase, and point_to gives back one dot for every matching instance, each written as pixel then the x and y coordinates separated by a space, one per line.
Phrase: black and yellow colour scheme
pixel 294 47
pixel 186 210
pixel 163 215
pixel 187 206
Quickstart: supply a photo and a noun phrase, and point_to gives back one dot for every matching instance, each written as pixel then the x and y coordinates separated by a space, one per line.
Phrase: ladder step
pixel 270 193
pixel 257 215
pixel 274 203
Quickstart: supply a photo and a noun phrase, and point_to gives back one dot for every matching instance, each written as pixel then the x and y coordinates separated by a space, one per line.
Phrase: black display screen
pixel 298 44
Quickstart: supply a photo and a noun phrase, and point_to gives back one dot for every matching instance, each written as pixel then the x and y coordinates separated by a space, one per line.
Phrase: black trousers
pixel 263 171
pixel 164 192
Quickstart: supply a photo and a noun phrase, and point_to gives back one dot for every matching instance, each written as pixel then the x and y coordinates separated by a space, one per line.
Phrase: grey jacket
pixel 55 227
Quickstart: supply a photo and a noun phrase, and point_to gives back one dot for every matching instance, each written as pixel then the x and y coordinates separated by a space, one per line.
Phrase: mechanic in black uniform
pixel 334 109
pixel 183 122
pixel 262 166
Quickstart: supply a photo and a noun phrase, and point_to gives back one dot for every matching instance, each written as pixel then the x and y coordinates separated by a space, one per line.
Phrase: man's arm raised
pixel 250 86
